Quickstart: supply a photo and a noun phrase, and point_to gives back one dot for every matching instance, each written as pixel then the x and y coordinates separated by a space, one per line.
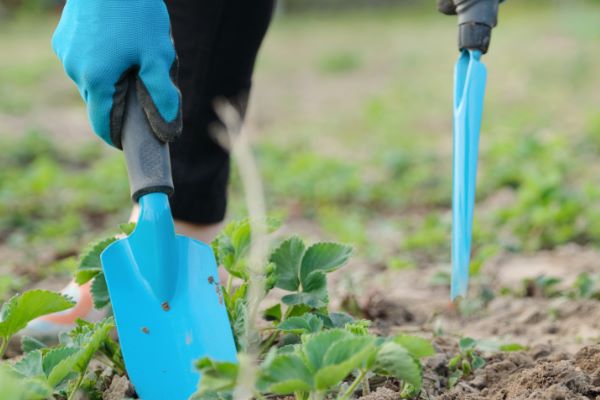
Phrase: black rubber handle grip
pixel 148 160
pixel 476 18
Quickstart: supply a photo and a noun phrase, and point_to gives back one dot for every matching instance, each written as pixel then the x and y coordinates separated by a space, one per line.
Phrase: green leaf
pixel 394 360
pixel 29 343
pixel 90 264
pixel 232 245
pixel 273 313
pixel 418 347
pixel 11 387
pixel 88 340
pixel 340 319
pixel 323 257
pixel 37 389
pixel 30 365
pixel 454 377
pixel 127 228
pixel 466 367
pixel 467 343
pixel 342 358
pixel 511 347
pixel 287 259
pixel 477 362
pixel 360 327
pixel 314 292
pixel 238 323
pixel 313 300
pixel 217 376
pixel 286 374
pixel 308 323
pixel 24 308
pixel 55 356
pixel 453 362
pixel 315 282
pixel 99 291
pixel 316 345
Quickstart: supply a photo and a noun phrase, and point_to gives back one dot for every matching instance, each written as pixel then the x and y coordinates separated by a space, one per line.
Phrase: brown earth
pixel 562 335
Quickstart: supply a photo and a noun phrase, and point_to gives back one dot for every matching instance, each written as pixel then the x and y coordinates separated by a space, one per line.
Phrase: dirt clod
pixel 518 376
pixel 382 393
pixel 118 389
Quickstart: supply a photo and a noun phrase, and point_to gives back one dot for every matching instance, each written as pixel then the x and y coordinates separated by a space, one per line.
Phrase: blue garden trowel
pixel 164 288
pixel 469 90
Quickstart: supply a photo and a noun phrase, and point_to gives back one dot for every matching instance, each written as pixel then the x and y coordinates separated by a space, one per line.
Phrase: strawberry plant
pixel 17 312
pixel 320 364
pixel 293 267
pixel 465 362
pixel 90 266
pixel 60 370
pixel 307 351
pixel 44 372
pixel 469 357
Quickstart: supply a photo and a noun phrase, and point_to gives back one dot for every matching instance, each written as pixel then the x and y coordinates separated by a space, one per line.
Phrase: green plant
pixel 11 387
pixel 21 309
pixel 586 286
pixel 60 370
pixel 465 362
pixel 294 267
pixel 90 266
pixel 44 371
pixel 308 351
pixel 317 367
pixel 469 357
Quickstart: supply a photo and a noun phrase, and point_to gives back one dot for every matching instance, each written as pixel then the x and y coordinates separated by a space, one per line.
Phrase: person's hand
pixel 102 42
pixel 446 7
pixel 476 18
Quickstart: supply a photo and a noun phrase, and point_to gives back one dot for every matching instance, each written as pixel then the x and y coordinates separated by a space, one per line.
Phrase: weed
pixel 469 357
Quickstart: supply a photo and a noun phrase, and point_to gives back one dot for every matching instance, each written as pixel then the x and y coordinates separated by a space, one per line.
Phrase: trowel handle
pixel 476 18
pixel 148 160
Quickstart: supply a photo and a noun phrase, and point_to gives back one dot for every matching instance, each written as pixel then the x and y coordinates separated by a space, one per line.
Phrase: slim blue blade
pixel 469 91
pixel 167 301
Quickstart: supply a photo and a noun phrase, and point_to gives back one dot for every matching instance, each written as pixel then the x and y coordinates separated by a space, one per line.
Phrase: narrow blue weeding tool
pixel 470 77
pixel 164 288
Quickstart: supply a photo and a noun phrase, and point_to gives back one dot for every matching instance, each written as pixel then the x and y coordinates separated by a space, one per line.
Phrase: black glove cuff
pixel 474 36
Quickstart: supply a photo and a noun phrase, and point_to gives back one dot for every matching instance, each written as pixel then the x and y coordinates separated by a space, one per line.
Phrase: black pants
pixel 216 42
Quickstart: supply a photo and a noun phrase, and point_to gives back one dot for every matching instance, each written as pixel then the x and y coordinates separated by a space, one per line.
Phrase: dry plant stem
pixel 233 138
pixel 246 381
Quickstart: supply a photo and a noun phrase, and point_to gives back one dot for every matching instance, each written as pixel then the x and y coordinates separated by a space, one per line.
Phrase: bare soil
pixel 562 360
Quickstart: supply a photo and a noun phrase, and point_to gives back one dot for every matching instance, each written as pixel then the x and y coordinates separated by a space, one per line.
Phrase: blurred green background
pixel 351 123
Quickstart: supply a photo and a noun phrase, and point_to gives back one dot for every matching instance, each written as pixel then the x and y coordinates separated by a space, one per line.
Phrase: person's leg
pixel 219 63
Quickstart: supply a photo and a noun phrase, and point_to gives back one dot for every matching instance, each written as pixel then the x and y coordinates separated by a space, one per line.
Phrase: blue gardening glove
pixel 102 42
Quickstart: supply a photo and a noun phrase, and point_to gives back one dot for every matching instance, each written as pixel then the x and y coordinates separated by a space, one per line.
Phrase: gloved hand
pixel 476 18
pixel 102 42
